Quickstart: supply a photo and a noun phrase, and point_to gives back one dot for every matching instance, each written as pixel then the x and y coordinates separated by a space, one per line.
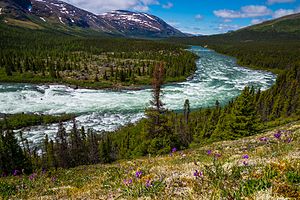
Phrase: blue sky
pixel 200 16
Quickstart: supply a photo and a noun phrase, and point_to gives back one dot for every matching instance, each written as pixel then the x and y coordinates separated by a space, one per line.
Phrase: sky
pixel 204 17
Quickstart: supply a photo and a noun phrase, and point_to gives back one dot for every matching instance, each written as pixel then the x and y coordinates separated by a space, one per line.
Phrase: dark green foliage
pixel 240 118
pixel 293 177
pixel 12 157
pixel 17 121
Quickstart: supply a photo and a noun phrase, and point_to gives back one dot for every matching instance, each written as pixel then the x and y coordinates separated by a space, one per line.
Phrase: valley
pixel 109 101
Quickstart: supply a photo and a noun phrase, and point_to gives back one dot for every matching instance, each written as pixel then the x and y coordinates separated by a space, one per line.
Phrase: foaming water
pixel 217 77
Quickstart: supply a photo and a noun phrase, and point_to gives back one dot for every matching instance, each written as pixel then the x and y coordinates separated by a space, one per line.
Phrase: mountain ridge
pixel 55 14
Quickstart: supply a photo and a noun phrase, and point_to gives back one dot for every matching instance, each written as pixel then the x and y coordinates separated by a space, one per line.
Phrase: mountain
pixel 135 24
pixel 56 14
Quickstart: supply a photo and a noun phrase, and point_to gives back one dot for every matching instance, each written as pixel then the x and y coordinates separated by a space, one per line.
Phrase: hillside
pixel 60 16
pixel 264 166
pixel 285 24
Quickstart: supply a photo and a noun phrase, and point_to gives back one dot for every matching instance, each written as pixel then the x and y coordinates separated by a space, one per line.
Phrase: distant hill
pixel 283 29
pixel 286 24
pixel 58 15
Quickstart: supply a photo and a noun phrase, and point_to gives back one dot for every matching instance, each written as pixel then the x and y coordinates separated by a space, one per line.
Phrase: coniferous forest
pixel 250 113
pixel 90 62
pixel 97 62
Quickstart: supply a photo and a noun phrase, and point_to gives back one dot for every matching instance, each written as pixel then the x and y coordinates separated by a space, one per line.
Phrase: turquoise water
pixel 218 77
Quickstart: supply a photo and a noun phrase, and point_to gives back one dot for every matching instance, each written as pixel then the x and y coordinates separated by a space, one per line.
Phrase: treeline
pixel 261 50
pixel 43 56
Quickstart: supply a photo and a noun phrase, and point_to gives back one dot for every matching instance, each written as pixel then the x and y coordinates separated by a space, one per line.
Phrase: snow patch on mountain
pixel 43 19
pixel 118 22
pixel 61 20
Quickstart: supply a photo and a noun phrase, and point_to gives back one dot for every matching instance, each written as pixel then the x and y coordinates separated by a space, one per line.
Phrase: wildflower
pixel 217 155
pixel 53 178
pixel 16 172
pixel 245 156
pixel 32 176
pixel 263 139
pixel 209 152
pixel 198 174
pixel 245 163
pixel 174 150
pixel 289 140
pixel 183 155
pixel 127 182
pixel 277 135
pixel 148 183
pixel 44 171
pixel 138 174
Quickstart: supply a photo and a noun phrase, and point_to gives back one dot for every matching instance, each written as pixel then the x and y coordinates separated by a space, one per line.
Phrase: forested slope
pixel 45 56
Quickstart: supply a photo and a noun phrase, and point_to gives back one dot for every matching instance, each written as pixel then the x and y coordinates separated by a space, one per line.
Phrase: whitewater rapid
pixel 217 77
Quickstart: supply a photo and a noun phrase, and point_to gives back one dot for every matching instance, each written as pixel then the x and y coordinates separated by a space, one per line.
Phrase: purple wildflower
pixel 127 182
pixel 289 140
pixel 245 163
pixel 198 174
pixel 138 174
pixel 148 183
pixel 16 172
pixel 53 178
pixel 277 135
pixel 32 176
pixel 217 155
pixel 174 150
pixel 245 156
pixel 209 152
pixel 263 139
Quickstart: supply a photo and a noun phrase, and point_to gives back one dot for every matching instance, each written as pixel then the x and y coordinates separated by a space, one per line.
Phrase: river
pixel 217 77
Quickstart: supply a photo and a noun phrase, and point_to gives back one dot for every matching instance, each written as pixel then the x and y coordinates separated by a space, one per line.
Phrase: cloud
pixel 257 21
pixel 100 6
pixel 282 12
pixel 168 5
pixel 277 14
pixel 199 17
pixel 245 12
pixel 227 20
pixel 270 2
pixel 227 27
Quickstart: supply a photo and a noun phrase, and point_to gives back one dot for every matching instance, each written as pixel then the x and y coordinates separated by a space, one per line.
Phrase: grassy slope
pixel 273 171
